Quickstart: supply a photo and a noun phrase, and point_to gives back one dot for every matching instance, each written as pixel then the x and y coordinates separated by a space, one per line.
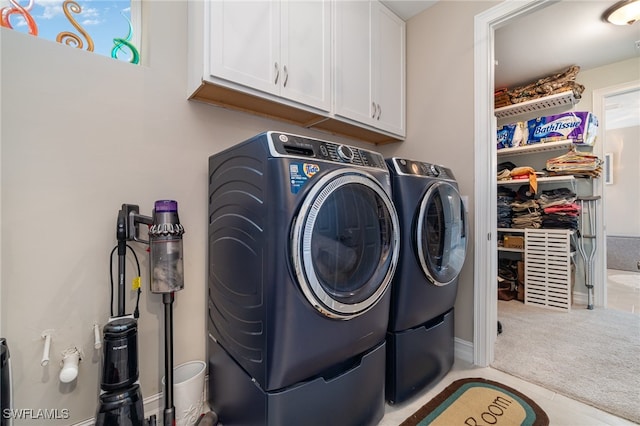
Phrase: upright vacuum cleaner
pixel 120 402
pixel 6 387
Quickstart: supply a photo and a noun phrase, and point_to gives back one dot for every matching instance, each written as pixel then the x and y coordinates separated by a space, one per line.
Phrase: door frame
pixel 485 187
pixel 598 107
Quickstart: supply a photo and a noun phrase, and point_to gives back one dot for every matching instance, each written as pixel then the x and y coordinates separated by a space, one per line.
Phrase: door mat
pixel 476 401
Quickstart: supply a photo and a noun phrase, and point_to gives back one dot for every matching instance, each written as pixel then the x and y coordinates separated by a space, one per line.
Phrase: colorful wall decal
pixel 126 42
pixel 17 9
pixel 69 38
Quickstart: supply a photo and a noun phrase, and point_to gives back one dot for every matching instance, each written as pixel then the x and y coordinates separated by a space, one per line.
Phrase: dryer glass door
pixel 345 244
pixel 441 233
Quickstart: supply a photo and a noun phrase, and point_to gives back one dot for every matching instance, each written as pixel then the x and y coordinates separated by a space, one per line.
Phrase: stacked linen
pixel 575 163
pixel 557 83
pixel 508 172
pixel 505 197
pixel 526 214
pixel 559 209
pixel 525 209
pixel 501 98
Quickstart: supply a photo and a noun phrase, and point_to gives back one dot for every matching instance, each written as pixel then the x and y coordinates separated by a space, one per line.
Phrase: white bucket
pixel 188 391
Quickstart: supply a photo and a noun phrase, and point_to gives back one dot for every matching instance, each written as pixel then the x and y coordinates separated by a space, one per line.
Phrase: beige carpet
pixel 592 356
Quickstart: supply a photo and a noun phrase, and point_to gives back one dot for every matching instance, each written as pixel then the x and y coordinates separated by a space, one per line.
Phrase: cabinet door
pixel 352 78
pixel 245 43
pixel 370 65
pixel 389 70
pixel 306 52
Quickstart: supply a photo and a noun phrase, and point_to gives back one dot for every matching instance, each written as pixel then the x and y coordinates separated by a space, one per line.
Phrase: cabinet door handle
pixel 277 73
pixel 374 108
pixel 286 76
pixel 379 112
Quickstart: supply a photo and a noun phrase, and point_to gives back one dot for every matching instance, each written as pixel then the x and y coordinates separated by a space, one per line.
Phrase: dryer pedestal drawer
pixel 419 358
pixel 238 400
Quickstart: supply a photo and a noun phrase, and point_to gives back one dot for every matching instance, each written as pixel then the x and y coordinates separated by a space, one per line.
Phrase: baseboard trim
pixel 580 298
pixel 463 350
pixel 153 405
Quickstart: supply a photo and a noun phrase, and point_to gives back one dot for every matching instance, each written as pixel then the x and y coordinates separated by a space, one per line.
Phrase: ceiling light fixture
pixel 623 13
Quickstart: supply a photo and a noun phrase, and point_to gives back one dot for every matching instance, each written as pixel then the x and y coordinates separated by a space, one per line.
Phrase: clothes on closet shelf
pixel 504 170
pixel 526 172
pixel 526 214
pixel 505 197
pixel 555 208
pixel 575 163
pixel 509 171
pixel 560 209
pixel 549 85
pixel 525 209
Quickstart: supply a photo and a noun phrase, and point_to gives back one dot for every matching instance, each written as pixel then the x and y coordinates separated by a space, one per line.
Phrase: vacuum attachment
pixel 165 241
pixel 6 390
pixel 120 408
pixel 120 359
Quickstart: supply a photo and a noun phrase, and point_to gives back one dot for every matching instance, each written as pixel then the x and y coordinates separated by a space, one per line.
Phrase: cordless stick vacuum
pixel 167 277
pixel 122 402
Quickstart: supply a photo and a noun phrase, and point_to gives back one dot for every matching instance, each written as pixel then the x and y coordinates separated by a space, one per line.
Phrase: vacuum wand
pixel 167 277
pixel 121 236
pixel 169 414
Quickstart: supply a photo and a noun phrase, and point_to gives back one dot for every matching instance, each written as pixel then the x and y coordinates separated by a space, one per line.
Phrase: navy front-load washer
pixel 420 340
pixel 303 244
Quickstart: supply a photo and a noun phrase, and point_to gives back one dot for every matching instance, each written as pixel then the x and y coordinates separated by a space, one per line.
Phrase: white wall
pixel 623 195
pixel 625 144
pixel 596 79
pixel 81 135
pixel 605 76
pixel 440 127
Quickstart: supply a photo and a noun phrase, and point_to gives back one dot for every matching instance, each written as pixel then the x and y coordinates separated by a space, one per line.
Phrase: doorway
pixel 485 267
pixel 619 110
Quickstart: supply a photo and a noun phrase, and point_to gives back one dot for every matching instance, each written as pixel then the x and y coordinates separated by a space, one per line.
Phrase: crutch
pixel 588 232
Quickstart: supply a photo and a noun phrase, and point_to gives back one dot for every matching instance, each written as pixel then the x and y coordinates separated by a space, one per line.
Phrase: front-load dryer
pixel 303 244
pixel 433 223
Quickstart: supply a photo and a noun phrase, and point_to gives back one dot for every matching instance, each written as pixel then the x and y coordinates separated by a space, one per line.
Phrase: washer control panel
pixel 419 168
pixel 285 144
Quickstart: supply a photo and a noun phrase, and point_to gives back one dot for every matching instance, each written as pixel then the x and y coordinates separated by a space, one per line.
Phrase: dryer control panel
pixel 286 144
pixel 419 168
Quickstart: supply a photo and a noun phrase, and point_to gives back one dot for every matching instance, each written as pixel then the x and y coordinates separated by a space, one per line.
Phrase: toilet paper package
pixel 512 135
pixel 579 127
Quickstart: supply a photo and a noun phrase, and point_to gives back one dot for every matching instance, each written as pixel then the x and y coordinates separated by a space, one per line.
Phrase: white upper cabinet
pixel 353 57
pixel 277 47
pixel 306 52
pixel 370 65
pixel 333 65
pixel 389 69
pixel 245 42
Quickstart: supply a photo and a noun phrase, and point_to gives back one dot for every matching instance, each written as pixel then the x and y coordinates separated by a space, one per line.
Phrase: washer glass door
pixel 441 233
pixel 345 243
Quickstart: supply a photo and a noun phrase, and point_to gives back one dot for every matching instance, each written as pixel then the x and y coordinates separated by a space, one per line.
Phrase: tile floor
pixel 561 410
pixel 623 294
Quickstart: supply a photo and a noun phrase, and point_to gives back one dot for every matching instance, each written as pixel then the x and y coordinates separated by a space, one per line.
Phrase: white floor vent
pixel 548 268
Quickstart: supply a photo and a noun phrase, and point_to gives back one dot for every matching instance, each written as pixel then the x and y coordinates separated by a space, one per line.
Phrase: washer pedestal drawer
pixel 352 392
pixel 419 358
